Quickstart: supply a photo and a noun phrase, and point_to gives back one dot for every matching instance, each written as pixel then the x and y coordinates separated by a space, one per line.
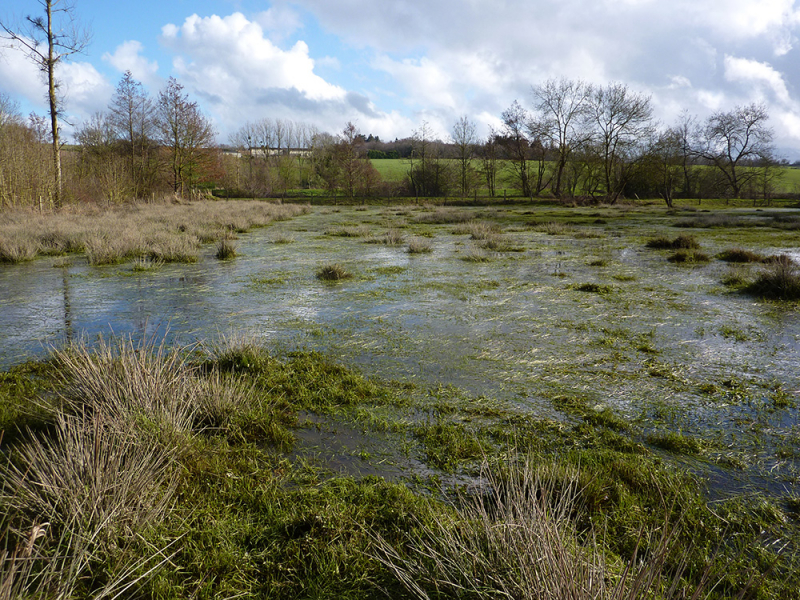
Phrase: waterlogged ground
pixel 667 349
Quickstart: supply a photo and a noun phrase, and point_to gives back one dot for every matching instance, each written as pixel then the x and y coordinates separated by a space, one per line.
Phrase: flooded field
pixel 558 313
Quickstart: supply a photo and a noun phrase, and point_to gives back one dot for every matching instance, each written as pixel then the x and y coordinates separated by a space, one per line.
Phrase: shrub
pixel 333 272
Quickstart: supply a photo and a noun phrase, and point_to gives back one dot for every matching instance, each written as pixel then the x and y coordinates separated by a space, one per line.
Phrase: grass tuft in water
pixel 739 255
pixel 779 280
pixel 689 256
pixel 226 249
pixel 334 272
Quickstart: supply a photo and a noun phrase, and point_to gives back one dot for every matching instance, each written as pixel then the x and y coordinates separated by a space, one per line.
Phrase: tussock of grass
pixel 226 249
pixel 594 288
pixel 477 230
pixel 682 242
pixel 475 255
pixel 350 231
pixel 555 228
pixel 519 538
pixel 739 255
pixel 779 280
pixel 333 272
pixel 420 246
pixel 443 216
pixel 689 256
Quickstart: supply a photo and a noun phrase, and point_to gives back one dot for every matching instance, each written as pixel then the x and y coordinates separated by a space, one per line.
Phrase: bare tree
pixel 734 140
pixel 133 118
pixel 465 138
pixel 563 105
pixel 48 39
pixel 186 133
pixel 490 161
pixel 622 122
pixel 515 142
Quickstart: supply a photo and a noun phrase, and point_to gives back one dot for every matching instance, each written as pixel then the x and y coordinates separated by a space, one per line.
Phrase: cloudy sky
pixel 387 66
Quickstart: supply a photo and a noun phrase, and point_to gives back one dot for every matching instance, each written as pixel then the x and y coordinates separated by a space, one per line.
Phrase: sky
pixel 390 66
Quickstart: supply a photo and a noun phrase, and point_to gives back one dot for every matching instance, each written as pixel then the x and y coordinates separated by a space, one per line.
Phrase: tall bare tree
pixel 186 132
pixel 464 137
pixel 514 140
pixel 622 122
pixel 48 39
pixel 563 104
pixel 734 140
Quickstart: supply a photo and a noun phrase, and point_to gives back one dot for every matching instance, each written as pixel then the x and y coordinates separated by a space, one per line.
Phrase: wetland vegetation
pixel 571 413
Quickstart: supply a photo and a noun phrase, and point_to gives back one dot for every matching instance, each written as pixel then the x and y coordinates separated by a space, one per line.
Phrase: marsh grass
pixel 475 255
pixel 555 228
pixel 778 280
pixel 354 231
pixel 443 216
pixel 682 242
pixel 334 272
pixel 518 537
pixel 420 246
pixel 226 249
pixel 168 231
pixel 740 255
pixel 689 256
pixel 594 288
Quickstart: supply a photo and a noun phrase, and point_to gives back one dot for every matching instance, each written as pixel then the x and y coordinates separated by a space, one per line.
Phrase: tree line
pixel 574 140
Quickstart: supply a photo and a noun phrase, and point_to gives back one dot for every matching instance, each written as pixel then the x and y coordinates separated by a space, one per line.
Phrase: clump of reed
pixel 475 255
pixel 420 246
pixel 555 228
pixel 226 249
pixel 117 234
pixel 18 248
pixel 104 471
pixel 443 216
pixel 477 230
pixel 739 255
pixel 350 231
pixel 682 242
pixel 519 537
pixel 334 272
pixel 689 256
pixel 393 237
pixel 779 280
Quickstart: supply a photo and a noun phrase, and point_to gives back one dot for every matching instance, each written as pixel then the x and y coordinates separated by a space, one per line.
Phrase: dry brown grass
pixel 518 538
pixel 168 232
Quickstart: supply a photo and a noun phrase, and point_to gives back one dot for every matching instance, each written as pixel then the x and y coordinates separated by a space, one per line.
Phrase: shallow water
pixel 667 346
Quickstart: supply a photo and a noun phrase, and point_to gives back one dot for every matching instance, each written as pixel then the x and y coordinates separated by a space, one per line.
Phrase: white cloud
pixel 83 90
pixel 759 73
pixel 20 78
pixel 128 57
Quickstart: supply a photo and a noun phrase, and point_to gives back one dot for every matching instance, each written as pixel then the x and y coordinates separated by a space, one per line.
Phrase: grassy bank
pixel 160 232
pixel 204 472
